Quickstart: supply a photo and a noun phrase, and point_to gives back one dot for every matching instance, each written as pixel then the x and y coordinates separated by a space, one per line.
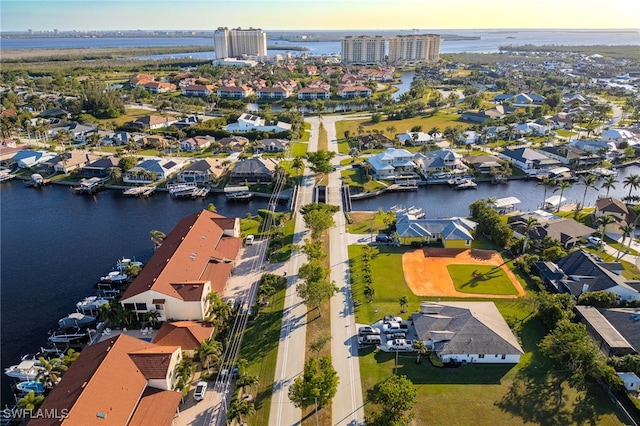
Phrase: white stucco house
pixel 392 163
pixel 248 122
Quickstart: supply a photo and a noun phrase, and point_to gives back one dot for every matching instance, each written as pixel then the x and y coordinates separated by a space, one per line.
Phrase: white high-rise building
pixel 238 42
pixel 363 50
pixel 413 49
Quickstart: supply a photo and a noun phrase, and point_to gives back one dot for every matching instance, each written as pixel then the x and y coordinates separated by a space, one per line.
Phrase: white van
pixel 249 240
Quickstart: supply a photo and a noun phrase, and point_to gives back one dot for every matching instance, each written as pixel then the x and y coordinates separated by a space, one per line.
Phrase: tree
pixel 627 232
pixel 602 223
pixel 317 345
pixel 30 401
pixel 298 164
pixel 609 183
pixel 127 163
pixel 529 223
pixel 240 408
pixel 209 352
pixel 404 302
pixel 246 380
pixel 212 208
pixel 589 181
pixel 599 299
pixel 51 372
pixel 396 395
pixel 321 161
pixel 157 237
pixel 219 311
pixel 318 217
pixel 632 181
pixel 421 348
pixel 115 173
pixel 318 383
pixel 314 287
pixel 553 308
pixel 562 185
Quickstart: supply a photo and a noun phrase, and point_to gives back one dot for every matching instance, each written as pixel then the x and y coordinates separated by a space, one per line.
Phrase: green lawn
pixel 130 115
pixel 480 279
pixel 307 132
pixel 299 149
pixel 355 178
pixel 365 223
pixel 532 392
pixel 260 348
pixel 323 139
pixel 280 248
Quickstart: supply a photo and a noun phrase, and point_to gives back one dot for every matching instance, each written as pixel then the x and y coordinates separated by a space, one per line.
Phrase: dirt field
pixel 425 270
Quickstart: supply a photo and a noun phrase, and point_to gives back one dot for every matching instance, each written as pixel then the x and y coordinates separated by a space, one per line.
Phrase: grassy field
pixel 323 139
pixel 284 245
pixel 480 279
pixel 299 149
pixel 533 391
pixel 362 223
pixel 260 348
pixel 307 133
pixel 354 178
pixel 130 115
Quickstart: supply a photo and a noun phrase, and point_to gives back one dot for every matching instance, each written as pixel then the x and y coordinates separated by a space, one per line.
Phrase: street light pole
pixel 316 398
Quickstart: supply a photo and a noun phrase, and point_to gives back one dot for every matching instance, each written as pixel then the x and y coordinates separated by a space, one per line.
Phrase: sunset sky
pixel 45 15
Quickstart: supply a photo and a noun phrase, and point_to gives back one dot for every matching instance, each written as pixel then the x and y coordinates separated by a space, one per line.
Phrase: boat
pixel 69 336
pixel 28 369
pixel 91 304
pixel 416 212
pixel 77 319
pixel 115 277
pixel 239 196
pixel 30 385
pixel 124 263
pixel 37 179
pixel 182 189
pixel 467 184
pixel 89 186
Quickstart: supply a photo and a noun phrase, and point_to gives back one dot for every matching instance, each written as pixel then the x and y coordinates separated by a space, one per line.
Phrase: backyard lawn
pixel 480 279
pixel 299 149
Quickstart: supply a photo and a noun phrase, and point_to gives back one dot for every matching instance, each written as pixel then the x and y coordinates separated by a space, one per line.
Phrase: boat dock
pixel 182 190
pixel 6 175
pixel 89 186
pixel 139 191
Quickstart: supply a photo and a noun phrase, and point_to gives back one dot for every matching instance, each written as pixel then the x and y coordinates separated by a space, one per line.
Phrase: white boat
pixel 240 195
pixel 467 184
pixel 69 336
pixel 124 263
pixel 91 304
pixel 116 277
pixel 28 369
pixel 416 212
pixel 37 179
pixel 30 385
pixel 76 319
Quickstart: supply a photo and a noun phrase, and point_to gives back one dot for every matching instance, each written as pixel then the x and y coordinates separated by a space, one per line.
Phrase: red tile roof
pixel 157 407
pixel 193 247
pixel 186 334
pixel 154 363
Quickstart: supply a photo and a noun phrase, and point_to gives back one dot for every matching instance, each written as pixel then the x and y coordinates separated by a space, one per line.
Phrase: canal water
pixel 55 245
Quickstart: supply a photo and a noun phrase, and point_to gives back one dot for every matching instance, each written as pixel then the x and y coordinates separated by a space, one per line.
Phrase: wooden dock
pixel 139 191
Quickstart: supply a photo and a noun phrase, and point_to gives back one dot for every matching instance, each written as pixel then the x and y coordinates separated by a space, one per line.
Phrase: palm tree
pixel 627 232
pixel 298 164
pixel 153 317
pixel 212 208
pixel 369 292
pixel 609 183
pixel 30 401
pixel 603 221
pixel 404 302
pixel 247 381
pixel 530 223
pixel 70 357
pixel 157 237
pixel 240 408
pixel 421 348
pixel 209 352
pixel 50 374
pixel 219 310
pixel 589 181
pixel 562 185
pixel 185 369
pixel 632 181
pixel 115 173
pixel 547 183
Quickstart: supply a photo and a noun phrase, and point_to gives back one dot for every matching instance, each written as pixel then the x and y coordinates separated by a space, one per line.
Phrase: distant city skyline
pixel 198 15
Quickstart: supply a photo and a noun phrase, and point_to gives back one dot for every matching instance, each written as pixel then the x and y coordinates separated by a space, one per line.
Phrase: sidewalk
pixel 624 256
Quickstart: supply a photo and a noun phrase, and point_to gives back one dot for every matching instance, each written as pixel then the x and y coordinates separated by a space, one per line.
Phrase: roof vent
pixel 101 415
pixel 204 237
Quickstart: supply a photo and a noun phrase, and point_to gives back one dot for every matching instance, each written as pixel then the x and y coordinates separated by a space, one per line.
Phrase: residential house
pixel 119 381
pixel 482 163
pixel 561 120
pixel 439 161
pixel 253 170
pixel 196 143
pixel 528 159
pixel 198 90
pixel 308 93
pixel 196 258
pixel 350 92
pixel 571 156
pixel 158 87
pixel 392 163
pixel 618 210
pixel 151 170
pixel 630 381
pixel 319 84
pixel 580 272
pixel 415 138
pixel 533 129
pixel 271 145
pixel 452 233
pixel 74 160
pixel 352 80
pixel 152 122
pixel 140 79
pixel 467 332
pixel 187 122
pixel 202 171
pixel 101 167
pixel 596 147
pixel 521 99
pixel 310 70
pixel 234 92
pixel 28 158
pixel 188 335
pixel 234 144
pixel 275 92
pixel 79 132
pixel 496 113
pixel 374 140
pixel 615 330
pixel 619 136
pixel 249 122
pixel 377 74
pixel 568 231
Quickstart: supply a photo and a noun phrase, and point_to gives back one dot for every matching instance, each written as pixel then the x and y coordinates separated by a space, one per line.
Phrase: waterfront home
pixel 28 158
pixel 139 79
pixel 439 161
pixel 527 159
pixel 101 167
pixel 618 210
pixel 234 144
pixel 581 272
pixel 202 171
pixel 571 156
pixel 196 258
pixel 234 92
pixel 270 145
pixel 568 231
pixel 466 332
pixel 374 140
pixel 249 122
pixel 186 334
pixel 152 122
pixel 630 381
pixel 415 138
pixel 201 90
pixel 73 160
pixel 619 136
pixel 392 163
pixel 274 92
pixel 119 381
pixel 496 113
pixel 308 93
pixel 615 330
pixel 196 143
pixel 482 163
pixel 150 170
pixel 351 92
pixel 253 170
pixel 451 233
pixel 596 147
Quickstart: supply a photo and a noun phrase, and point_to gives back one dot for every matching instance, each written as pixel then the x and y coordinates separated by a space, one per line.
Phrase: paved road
pixel 293 333
pixel 348 403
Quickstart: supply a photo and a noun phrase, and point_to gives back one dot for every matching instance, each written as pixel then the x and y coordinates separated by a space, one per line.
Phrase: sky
pixel 84 15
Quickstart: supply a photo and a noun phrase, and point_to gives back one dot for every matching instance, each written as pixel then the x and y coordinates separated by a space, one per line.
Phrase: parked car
pixel 400 345
pixel 249 240
pixel 392 327
pixel 369 340
pixel 367 330
pixel 392 318
pixel 383 238
pixel 397 335
pixel 595 241
pixel 201 388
